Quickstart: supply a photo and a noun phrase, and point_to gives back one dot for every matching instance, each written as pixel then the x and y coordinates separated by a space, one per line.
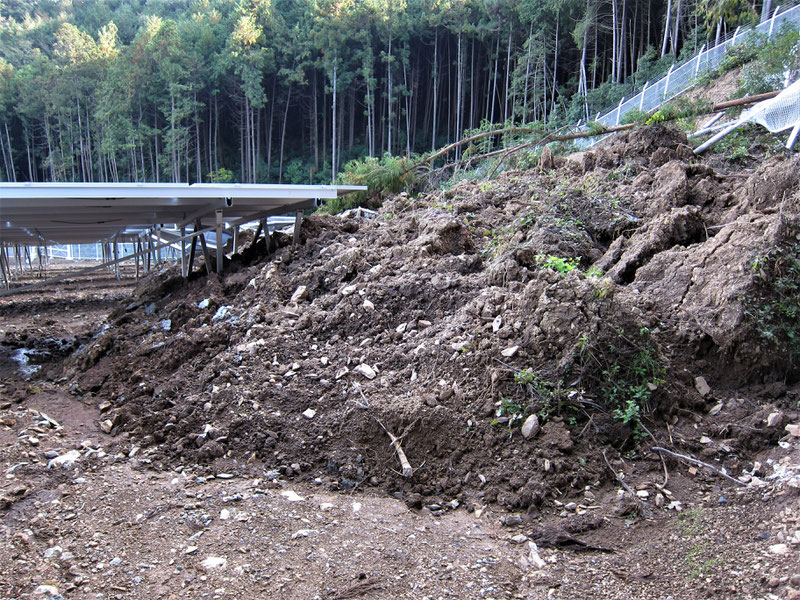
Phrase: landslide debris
pixel 591 292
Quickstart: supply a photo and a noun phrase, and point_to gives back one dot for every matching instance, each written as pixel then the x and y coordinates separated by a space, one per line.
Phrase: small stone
pixel 203 303
pixel 706 440
pixel 301 293
pixel 189 550
pixel 530 427
pixel 303 533
pixel 510 351
pixel 52 551
pixel 519 539
pixel 774 419
pixel 795 580
pixel 659 500
pixel 348 290
pixel 570 506
pixel 224 476
pixel 643 494
pixel 365 370
pixel 324 361
pixel 46 590
pixel 715 409
pixel 292 496
pixel 794 429
pixel 779 549
pixel 722 500
pixel 309 413
pixel 534 558
pixel 497 324
pixel 512 520
pixel 367 305
pixel 114 561
pixel 65 460
pixel 107 425
pixel 702 387
pixel 401 328
pixel 224 514
pixel 214 562
pixel 453 504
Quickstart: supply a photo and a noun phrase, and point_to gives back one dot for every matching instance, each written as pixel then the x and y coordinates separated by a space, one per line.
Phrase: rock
pixel 519 539
pixel 512 520
pixel 46 590
pixel 706 440
pixel 107 425
pixel 224 514
pixel 509 352
pixel 779 549
pixel 533 556
pixel 301 293
pixel 348 290
pixel 189 550
pixel 795 580
pixel 203 303
pixel 303 533
pixel 702 387
pixel 793 429
pixel 497 323
pixel 530 427
pixel 774 419
pixel 309 413
pixel 643 494
pixel 715 409
pixel 365 370
pixel 52 551
pixel 65 460
pixel 367 305
pixel 214 562
pixel 292 496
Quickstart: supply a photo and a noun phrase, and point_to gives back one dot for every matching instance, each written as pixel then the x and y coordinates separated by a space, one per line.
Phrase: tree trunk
pixel 283 134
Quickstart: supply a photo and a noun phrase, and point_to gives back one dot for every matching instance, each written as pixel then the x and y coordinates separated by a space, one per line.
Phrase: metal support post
pixel 116 260
pixel 183 252
pixel 772 20
pixel 641 99
pixel 699 56
pixel 206 254
pixel 793 137
pixel 220 245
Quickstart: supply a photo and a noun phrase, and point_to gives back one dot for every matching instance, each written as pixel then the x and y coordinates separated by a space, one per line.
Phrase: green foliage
pixel 383 177
pixel 773 311
pixel 557 263
pixel 774 58
pixel 221 175
pixel 680 108
pixel 624 369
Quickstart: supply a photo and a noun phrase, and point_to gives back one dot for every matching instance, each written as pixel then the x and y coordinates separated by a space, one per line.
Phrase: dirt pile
pixel 591 295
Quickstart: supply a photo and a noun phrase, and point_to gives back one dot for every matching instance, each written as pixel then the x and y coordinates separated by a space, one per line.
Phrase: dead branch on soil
pixel 625 486
pixel 699 463
pixel 408 470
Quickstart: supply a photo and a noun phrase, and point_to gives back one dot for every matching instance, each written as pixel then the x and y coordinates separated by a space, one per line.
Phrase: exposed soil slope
pixel 610 301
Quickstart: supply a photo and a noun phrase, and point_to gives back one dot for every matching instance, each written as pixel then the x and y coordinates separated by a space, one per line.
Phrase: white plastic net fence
pixel 681 77
pixel 779 113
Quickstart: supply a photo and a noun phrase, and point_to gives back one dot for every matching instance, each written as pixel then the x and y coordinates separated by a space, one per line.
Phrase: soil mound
pixel 583 301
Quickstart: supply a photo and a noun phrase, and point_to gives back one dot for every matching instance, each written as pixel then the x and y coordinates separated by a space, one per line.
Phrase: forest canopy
pixel 289 90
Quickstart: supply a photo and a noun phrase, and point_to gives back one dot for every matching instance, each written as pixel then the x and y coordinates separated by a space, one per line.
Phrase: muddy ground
pixel 528 340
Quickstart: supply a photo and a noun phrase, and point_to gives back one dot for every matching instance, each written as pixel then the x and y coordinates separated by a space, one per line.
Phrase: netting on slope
pixel 779 113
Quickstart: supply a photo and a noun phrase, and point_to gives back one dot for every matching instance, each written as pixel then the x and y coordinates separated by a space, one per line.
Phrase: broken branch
pixel 408 470
pixel 699 463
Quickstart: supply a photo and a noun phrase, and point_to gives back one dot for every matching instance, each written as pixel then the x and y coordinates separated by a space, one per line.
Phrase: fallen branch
pixel 699 463
pixel 473 138
pixel 408 471
pixel 625 485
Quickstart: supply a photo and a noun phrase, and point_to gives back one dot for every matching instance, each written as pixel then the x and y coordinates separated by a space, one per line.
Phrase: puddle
pixel 27 361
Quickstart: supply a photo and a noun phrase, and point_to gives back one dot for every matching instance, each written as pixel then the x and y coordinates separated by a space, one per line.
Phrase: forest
pixel 288 91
